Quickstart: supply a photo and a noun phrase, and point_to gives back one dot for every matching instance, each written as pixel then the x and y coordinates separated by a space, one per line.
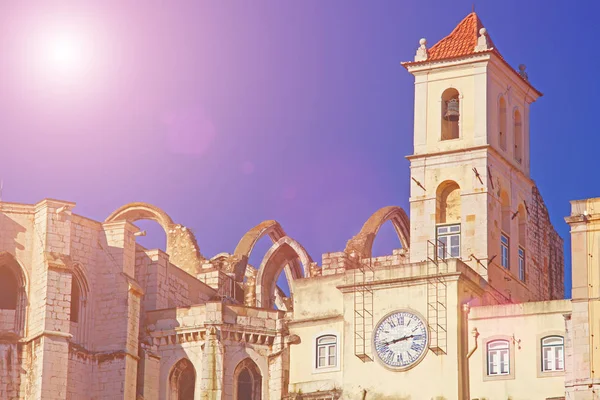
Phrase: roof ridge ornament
pixel 421 51
pixel 482 42
pixel 522 72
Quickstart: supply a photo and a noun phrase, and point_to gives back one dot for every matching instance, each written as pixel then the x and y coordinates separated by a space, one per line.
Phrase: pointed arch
pixel 80 301
pixel 182 380
pixel 362 243
pixel 285 254
pixel 13 309
pixel 182 246
pixel 518 136
pixel 247 381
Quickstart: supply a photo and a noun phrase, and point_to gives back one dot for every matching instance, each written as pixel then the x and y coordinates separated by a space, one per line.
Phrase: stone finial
pixel 522 72
pixel 421 51
pixel 482 43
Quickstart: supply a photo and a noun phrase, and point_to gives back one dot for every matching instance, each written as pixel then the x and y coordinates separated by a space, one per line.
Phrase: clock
pixel 401 339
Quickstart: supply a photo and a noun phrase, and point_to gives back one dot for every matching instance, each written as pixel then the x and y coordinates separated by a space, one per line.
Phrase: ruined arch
pixel 16 302
pixel 362 243
pixel 285 254
pixel 247 381
pixel 182 380
pixel 182 246
pixel 241 254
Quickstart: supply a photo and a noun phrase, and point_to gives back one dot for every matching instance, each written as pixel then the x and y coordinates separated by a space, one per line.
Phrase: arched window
pixel 450 114
pixel 326 356
pixel 9 289
pixel 553 353
pixel 518 137
pixel 502 123
pixel 498 358
pixel 248 381
pixel 75 300
pixel 505 234
pixel 182 381
pixel 522 241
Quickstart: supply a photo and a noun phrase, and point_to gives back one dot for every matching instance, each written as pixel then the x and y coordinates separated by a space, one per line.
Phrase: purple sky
pixel 227 113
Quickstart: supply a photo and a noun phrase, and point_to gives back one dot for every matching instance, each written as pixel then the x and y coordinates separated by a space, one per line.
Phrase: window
pixel 248 381
pixel 553 351
pixel 502 123
pixel 518 137
pixel 505 254
pixel 75 299
pixel 326 351
pixel 450 114
pixel 8 289
pixel 521 264
pixel 182 381
pixel 448 241
pixel 498 358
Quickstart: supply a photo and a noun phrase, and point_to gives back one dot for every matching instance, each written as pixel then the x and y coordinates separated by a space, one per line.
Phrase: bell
pixel 452 113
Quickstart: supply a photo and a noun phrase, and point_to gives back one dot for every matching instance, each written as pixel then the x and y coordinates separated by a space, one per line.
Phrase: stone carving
pixel 482 42
pixel 421 51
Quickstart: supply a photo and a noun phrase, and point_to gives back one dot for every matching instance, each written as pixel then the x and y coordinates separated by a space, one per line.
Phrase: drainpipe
pixel 475 334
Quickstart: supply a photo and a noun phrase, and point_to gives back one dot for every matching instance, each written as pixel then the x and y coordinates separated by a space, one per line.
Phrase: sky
pixel 228 113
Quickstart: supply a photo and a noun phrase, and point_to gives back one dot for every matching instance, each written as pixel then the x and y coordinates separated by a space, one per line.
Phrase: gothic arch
pixel 247 381
pixel 182 380
pixel 182 246
pixel 285 252
pixel 244 248
pixel 362 243
pixel 83 301
pixel 10 265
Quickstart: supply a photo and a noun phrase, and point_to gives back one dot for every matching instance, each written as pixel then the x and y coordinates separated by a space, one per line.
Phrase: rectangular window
pixel 505 254
pixel 448 241
pixel 521 264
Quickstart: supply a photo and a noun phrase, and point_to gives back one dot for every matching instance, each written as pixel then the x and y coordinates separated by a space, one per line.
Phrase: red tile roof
pixel 461 42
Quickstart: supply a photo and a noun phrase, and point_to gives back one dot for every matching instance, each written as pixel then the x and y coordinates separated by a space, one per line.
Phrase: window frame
pixel 336 352
pixel 449 234
pixel 522 264
pixel 511 358
pixel 541 372
pixel 507 247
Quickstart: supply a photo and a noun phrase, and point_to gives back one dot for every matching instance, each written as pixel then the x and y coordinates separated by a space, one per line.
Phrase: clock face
pixel 401 339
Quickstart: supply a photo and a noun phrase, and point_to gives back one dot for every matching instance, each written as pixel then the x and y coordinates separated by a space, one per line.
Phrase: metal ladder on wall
pixel 363 310
pixel 437 293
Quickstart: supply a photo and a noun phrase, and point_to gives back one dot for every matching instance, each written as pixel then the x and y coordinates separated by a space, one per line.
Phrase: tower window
pixel 75 299
pixel 521 264
pixel 448 241
pixel 518 137
pixel 502 123
pixel 504 251
pixel 450 114
pixel 8 289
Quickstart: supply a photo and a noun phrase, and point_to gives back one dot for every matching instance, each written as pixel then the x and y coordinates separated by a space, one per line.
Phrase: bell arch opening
pixel 450 114
pixel 182 381
pixel 448 203
pixel 247 381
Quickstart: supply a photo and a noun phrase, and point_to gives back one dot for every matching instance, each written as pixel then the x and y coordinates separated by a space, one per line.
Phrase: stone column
pixel 212 366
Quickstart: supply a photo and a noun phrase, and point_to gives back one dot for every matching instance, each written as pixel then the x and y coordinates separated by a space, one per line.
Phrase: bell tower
pixel 471 193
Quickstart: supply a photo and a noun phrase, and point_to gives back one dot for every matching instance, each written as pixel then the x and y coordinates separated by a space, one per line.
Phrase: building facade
pixel 470 306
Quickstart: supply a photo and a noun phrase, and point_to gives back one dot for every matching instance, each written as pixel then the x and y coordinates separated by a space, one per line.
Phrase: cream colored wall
pixel 528 323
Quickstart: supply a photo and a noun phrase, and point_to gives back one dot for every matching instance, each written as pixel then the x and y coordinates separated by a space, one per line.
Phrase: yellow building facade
pixel 469 308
